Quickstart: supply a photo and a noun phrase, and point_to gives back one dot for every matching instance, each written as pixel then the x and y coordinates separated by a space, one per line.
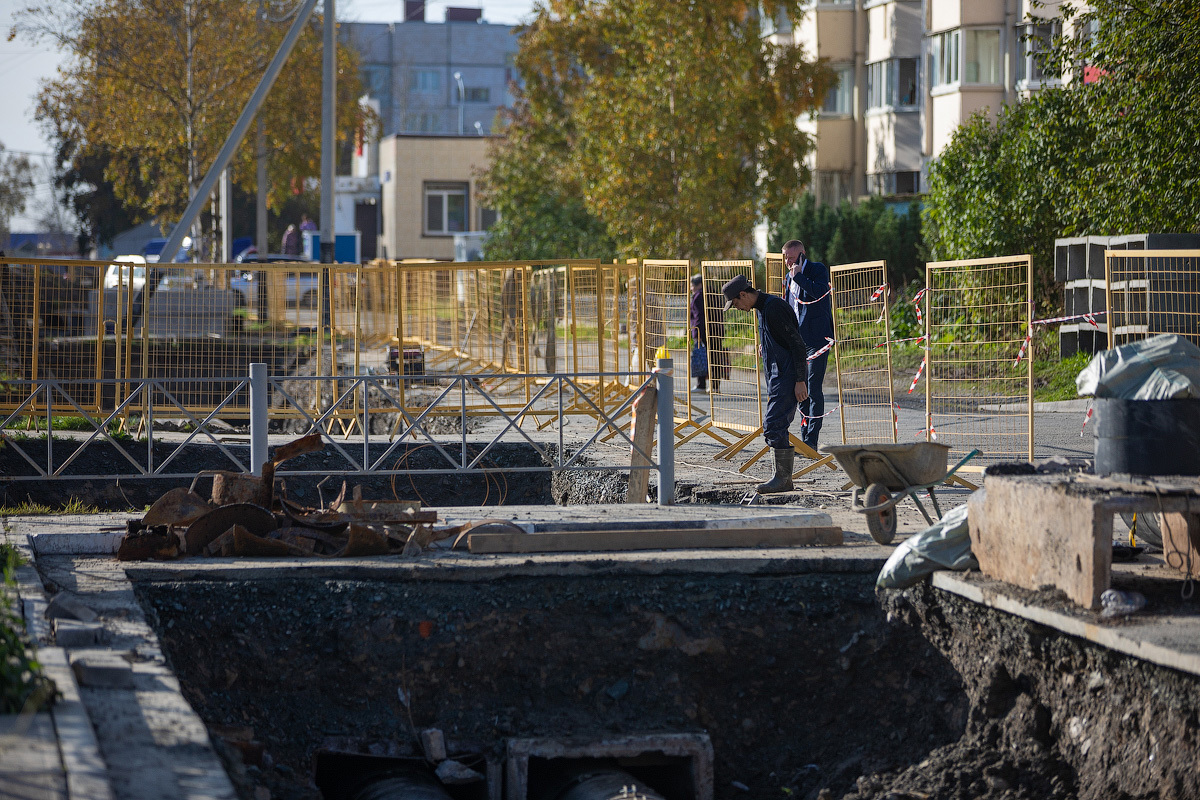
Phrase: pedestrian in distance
pixel 307 224
pixel 785 365
pixel 290 246
pixel 697 326
pixel 806 289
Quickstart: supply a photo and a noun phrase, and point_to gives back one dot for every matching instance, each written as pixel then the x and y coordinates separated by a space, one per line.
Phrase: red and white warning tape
pixel 886 342
pixel 804 302
pixel 1087 418
pixel 803 416
pixel 896 420
pixel 917 303
pixel 878 292
pixel 1090 317
pixel 932 432
pixel 1024 347
pixel 917 377
pixel 823 350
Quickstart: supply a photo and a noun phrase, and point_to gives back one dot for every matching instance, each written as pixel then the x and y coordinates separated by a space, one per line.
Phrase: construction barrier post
pixel 666 431
pixel 258 417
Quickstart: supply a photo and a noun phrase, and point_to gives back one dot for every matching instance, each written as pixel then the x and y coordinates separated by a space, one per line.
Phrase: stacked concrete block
pixel 1079 266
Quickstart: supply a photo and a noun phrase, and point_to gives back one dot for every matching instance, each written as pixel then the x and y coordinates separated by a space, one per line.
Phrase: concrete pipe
pixel 408 784
pixel 606 784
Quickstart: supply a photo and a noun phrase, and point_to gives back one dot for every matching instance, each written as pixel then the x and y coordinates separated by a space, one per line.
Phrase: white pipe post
pixel 258 417
pixel 664 382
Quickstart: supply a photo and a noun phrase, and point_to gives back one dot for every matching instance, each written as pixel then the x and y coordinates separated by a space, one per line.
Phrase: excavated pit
pixel 799 680
pixel 808 685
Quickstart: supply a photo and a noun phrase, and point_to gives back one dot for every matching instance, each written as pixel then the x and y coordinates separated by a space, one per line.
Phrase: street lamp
pixel 462 96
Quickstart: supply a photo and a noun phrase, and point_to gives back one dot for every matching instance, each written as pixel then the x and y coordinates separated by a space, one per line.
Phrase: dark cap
pixel 733 288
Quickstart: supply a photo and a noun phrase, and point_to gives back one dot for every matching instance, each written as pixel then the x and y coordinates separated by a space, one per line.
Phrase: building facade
pixel 435 78
pixel 909 73
pixel 428 193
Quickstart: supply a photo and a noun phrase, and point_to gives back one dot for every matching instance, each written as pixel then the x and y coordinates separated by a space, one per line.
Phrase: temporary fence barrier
pixel 863 367
pixel 979 374
pixel 734 379
pixel 1152 292
pixel 663 297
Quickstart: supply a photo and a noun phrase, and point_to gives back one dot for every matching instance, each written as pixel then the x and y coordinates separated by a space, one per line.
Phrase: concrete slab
pixel 545 519
pixel 31 768
pixel 72 634
pixel 86 772
pixel 1169 640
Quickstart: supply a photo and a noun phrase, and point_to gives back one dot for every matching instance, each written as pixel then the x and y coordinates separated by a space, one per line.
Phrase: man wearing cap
pixel 786 366
pixel 806 290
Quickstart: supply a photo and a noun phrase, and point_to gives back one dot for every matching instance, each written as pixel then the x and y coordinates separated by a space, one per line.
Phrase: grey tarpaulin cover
pixel 945 545
pixel 1159 368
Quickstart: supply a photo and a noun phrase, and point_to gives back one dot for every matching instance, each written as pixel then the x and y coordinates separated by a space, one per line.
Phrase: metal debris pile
pixel 246 517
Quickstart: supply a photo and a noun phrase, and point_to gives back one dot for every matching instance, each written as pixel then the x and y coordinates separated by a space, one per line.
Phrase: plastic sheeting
pixel 945 545
pixel 1159 368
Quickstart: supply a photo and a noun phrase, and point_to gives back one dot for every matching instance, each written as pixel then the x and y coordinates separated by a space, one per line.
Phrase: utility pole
pixel 328 134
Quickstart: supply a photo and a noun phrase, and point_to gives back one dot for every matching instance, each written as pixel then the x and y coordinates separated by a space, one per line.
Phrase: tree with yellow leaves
pixel 153 87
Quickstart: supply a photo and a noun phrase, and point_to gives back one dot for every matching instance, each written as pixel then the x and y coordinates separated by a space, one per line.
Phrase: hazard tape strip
pixel 1089 317
pixel 886 342
pixel 917 377
pixel 1024 347
pixel 804 416
pixel 1086 418
pixel 823 350
pixel 917 303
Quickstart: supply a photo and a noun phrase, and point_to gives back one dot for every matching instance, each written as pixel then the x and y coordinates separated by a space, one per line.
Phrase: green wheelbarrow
pixel 888 472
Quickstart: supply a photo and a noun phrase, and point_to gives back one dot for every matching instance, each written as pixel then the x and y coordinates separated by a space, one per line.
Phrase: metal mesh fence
pixel 979 389
pixel 862 352
pixel 736 390
pixel 1152 292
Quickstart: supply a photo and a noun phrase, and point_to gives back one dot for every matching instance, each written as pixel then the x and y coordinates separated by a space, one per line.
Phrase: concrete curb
pixel 1049 407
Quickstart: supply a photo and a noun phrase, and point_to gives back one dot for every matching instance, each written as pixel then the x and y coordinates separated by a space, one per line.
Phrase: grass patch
pixel 1055 380
pixel 27 509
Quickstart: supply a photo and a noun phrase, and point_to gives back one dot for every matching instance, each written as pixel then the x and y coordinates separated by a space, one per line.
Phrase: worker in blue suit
pixel 806 289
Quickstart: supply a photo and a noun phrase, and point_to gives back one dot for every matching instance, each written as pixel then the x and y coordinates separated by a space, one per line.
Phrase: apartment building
pixel 909 73
pixel 447 78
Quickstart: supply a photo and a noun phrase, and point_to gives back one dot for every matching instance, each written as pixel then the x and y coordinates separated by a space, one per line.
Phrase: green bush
pixel 23 687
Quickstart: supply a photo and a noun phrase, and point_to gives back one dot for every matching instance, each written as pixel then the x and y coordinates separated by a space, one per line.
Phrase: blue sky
pixel 23 66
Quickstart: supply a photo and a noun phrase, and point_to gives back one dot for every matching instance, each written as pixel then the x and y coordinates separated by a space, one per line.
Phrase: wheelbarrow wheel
pixel 880 524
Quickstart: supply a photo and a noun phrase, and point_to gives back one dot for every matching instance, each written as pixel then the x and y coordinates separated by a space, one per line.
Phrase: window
pixel 445 208
pixel 840 97
pixel 982 57
pixel 889 183
pixel 1035 41
pixel 427 81
pixel 893 83
pixel 477 94
pixel 423 122
pixel 488 218
pixel 943 58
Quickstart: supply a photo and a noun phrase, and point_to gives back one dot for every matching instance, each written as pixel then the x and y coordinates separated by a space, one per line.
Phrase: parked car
pixel 301 289
pixel 130 272
pixel 152 250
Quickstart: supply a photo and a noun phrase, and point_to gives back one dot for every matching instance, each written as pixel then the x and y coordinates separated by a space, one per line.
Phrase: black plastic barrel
pixel 1147 437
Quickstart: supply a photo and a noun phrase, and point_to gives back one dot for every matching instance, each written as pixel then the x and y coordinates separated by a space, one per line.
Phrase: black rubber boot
pixel 785 459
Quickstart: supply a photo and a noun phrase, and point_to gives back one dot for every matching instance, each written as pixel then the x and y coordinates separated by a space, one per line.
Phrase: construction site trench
pixel 808 683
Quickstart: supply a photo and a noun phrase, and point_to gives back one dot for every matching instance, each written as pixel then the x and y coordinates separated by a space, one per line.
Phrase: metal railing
pixel 344 423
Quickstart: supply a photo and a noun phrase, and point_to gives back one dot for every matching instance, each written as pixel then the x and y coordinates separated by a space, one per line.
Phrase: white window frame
pixel 945 58
pixel 1034 39
pixel 445 190
pixel 883 84
pixel 997 64
pixel 844 90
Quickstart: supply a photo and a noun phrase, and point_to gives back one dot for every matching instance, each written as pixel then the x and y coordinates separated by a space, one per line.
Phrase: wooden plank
pixel 679 539
pixel 644 416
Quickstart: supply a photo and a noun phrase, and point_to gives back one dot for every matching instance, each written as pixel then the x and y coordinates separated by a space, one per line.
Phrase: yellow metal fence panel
pixel 732 352
pixel 862 352
pixel 979 390
pixel 1152 292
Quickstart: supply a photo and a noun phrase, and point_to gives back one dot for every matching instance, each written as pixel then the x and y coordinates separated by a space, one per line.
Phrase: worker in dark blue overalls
pixel 786 367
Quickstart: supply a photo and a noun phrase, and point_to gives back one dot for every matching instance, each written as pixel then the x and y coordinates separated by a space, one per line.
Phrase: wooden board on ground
pixel 680 539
